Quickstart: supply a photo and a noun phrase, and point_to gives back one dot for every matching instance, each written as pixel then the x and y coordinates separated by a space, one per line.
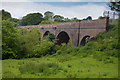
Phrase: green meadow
pixel 60 66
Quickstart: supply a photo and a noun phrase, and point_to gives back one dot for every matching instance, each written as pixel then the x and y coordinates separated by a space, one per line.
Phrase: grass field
pixel 60 66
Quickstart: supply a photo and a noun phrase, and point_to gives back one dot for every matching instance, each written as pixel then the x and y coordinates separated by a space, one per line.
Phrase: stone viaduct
pixel 77 32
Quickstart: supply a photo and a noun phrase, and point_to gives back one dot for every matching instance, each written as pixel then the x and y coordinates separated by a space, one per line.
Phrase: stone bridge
pixel 77 32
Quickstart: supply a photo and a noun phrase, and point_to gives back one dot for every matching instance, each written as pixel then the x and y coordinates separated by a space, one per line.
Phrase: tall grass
pixel 33 68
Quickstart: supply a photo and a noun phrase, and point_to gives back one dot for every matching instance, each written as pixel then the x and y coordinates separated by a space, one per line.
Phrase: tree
pixel 28 40
pixel 115 6
pixel 67 20
pixel 6 15
pixel 74 18
pixel 84 19
pixel 89 18
pixel 15 21
pixel 0 34
pixel 58 18
pixel 9 40
pixel 31 19
pixel 44 48
pixel 100 17
pixel 48 15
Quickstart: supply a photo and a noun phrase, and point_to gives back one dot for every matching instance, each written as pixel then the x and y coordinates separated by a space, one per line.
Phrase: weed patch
pixel 34 68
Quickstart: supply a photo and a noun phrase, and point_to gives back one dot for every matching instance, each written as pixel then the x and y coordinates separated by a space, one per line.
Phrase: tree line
pixel 37 18
pixel 23 43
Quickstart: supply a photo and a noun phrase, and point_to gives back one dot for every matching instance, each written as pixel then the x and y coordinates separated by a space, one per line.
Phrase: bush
pixel 28 39
pixel 43 48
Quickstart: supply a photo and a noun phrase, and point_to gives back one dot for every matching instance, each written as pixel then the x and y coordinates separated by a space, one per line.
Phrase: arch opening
pixel 46 33
pixel 62 37
pixel 49 36
pixel 84 40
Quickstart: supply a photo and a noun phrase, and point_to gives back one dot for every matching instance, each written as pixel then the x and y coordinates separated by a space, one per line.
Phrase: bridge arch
pixel 48 35
pixel 84 40
pixel 62 37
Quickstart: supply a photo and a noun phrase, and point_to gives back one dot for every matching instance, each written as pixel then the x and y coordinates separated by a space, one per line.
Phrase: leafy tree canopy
pixel 100 17
pixel 89 18
pixel 58 18
pixel 6 15
pixel 31 19
pixel 9 40
pixel 114 5
pixel 48 15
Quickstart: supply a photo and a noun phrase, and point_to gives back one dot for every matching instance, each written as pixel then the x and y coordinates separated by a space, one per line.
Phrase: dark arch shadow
pixel 49 36
pixel 84 40
pixel 46 33
pixel 62 37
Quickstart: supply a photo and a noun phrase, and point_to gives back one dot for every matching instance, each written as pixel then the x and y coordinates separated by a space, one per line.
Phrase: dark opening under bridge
pixel 76 32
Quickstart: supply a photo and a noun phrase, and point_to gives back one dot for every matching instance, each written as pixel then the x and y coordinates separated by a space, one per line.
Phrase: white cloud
pixel 18 10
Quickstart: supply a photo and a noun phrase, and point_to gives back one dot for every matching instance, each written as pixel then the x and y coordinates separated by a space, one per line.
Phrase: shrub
pixel 110 27
pixel 59 52
pixel 44 48
pixel 28 39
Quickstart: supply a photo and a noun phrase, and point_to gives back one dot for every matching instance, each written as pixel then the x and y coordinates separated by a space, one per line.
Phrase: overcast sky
pixel 55 0
pixel 66 8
